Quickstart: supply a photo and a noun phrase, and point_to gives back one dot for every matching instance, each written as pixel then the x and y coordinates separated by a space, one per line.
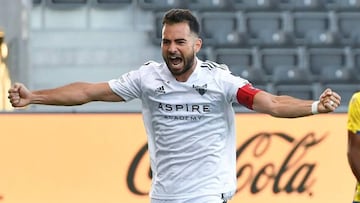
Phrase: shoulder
pixel 217 70
pixel 354 103
pixel 356 96
pixel 355 99
pixel 213 66
pixel 354 113
pixel 221 73
pixel 151 63
pixel 150 66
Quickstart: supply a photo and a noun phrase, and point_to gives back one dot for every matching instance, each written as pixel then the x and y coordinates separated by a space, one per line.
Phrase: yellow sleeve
pixel 353 123
pixel 357 193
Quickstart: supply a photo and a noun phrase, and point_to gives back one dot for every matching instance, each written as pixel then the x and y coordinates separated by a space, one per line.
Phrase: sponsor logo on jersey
pixel 160 90
pixel 199 108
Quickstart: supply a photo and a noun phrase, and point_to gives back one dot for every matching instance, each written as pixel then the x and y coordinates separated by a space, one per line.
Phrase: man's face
pixel 179 47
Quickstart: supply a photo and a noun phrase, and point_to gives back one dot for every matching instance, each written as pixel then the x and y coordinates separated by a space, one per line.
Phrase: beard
pixel 188 63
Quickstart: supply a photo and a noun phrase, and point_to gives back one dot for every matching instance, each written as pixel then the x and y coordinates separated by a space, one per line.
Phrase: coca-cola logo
pixel 272 161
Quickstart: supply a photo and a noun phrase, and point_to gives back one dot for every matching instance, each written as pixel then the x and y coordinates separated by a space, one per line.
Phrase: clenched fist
pixel 19 95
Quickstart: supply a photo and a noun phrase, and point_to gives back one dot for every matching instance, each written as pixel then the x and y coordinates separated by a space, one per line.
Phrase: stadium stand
pixel 284 46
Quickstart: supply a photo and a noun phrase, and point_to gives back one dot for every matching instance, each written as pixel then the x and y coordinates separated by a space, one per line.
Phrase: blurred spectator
pixel 5 81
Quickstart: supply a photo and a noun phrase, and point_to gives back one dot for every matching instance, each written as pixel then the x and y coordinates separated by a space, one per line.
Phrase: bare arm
pixel 69 95
pixel 290 107
pixel 353 153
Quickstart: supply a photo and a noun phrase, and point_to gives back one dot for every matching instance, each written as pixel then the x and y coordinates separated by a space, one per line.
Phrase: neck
pixel 185 76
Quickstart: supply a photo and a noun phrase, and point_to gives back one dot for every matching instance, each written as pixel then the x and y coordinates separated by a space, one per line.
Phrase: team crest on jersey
pixel 201 89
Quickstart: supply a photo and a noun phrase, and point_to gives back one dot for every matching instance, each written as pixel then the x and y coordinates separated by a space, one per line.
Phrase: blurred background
pixel 294 47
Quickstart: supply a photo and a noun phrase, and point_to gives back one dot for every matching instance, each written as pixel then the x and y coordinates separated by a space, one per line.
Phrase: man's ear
pixel 198 44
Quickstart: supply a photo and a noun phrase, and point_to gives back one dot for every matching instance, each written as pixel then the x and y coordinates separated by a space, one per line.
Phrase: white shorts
pixel 203 199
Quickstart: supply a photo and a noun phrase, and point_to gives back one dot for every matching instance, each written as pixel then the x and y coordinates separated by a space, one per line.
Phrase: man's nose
pixel 172 48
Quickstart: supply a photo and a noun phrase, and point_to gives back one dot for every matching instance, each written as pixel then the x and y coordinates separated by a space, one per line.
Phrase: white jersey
pixel 190 127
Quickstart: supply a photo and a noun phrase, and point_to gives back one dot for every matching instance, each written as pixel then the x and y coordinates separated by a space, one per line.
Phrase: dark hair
pixel 182 15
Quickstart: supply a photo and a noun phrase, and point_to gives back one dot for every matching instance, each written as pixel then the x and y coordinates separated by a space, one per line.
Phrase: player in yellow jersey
pixel 354 141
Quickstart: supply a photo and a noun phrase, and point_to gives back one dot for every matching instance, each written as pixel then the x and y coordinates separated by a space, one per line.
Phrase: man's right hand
pixel 19 95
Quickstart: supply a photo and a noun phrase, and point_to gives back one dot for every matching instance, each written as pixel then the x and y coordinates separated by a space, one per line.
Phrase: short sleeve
pixel 232 84
pixel 354 114
pixel 128 86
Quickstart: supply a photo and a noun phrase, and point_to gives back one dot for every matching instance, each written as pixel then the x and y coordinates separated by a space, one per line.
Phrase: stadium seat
pixel 36 2
pixel 155 33
pixel 254 5
pixel 267 28
pixel 320 58
pixel 339 75
pixel 110 4
pixel 293 81
pixel 237 59
pixel 161 5
pixel 221 29
pixel 207 5
pixel 319 38
pixel 356 59
pixel 255 75
pixel 113 1
pixel 348 23
pixel 273 57
pixel 315 28
pixel 66 4
pixel 69 1
pixel 345 81
pixel 202 55
pixel 349 5
pixel 301 5
pixel 342 5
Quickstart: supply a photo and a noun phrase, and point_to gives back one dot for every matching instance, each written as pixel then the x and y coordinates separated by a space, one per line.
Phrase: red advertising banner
pixel 92 158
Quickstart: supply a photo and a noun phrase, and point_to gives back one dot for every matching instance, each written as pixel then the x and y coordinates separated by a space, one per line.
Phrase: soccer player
pixel 354 141
pixel 187 112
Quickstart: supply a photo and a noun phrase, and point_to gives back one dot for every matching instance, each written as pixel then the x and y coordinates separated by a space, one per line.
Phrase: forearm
pixel 68 95
pixel 289 107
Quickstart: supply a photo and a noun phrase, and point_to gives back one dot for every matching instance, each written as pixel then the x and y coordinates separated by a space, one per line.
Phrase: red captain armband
pixel 245 95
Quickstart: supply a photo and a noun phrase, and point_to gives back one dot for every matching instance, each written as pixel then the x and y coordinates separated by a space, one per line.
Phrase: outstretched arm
pixel 69 95
pixel 290 107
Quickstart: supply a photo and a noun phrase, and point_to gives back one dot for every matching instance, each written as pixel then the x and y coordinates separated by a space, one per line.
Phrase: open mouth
pixel 175 61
